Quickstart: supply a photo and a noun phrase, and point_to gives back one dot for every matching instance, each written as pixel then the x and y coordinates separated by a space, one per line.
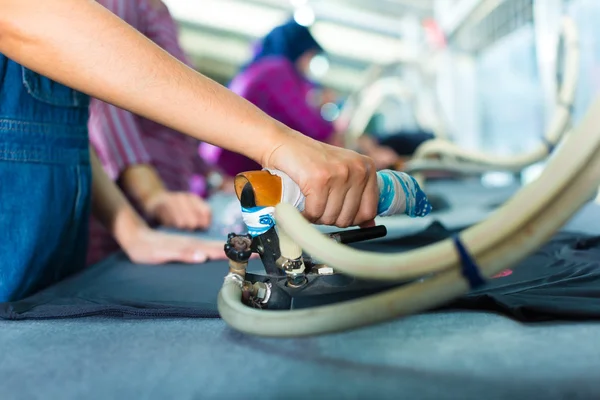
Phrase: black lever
pixel 359 235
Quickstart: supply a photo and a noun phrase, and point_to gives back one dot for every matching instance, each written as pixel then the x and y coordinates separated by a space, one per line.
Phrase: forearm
pixel 141 182
pixel 84 46
pixel 110 206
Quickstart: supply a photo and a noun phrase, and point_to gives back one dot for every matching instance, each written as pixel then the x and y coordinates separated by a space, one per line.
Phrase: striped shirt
pixel 274 85
pixel 122 139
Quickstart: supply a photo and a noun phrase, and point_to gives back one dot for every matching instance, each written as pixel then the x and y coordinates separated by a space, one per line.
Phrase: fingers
pixel 201 251
pixel 344 202
pixel 202 212
pixel 340 185
pixel 184 211
pixel 159 248
pixel 317 195
pixel 368 224
pixel 344 194
pixel 370 198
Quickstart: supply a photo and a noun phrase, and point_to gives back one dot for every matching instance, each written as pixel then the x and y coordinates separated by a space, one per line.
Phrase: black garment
pixel 560 281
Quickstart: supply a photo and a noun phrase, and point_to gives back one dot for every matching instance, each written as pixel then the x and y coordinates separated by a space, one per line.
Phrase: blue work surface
pixel 442 355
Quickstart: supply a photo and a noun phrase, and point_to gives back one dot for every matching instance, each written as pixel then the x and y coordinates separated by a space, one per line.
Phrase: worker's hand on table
pixel 180 210
pixel 148 246
pixel 340 185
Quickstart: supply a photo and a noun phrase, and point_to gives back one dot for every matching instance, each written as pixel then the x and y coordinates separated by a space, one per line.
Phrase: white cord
pixel 456 157
pixel 514 230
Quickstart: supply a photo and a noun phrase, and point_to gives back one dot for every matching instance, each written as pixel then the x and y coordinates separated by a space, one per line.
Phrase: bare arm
pixel 181 210
pixel 111 208
pixel 82 45
pixel 142 183
pixel 142 244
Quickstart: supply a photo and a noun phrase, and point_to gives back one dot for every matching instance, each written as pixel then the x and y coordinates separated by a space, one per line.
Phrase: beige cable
pixel 475 161
pixel 362 104
pixel 511 233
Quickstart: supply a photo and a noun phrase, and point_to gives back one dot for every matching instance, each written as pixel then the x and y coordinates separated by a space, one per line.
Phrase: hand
pixel 340 185
pixel 384 157
pixel 149 246
pixel 179 210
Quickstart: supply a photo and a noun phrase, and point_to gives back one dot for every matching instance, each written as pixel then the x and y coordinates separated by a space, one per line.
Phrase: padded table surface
pixel 442 355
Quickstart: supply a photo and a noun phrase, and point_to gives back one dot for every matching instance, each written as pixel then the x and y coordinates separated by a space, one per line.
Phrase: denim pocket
pixel 46 90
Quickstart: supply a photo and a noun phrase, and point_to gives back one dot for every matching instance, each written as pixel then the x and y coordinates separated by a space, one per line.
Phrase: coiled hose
pixel 510 234
pixel 456 159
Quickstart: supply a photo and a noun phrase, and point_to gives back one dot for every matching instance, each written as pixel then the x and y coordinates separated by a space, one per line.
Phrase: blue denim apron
pixel 45 181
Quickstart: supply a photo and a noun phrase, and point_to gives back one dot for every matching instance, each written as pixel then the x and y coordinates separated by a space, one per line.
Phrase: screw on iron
pixel 238 247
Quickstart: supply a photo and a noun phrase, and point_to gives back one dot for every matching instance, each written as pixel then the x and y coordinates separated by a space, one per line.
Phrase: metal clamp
pixel 234 278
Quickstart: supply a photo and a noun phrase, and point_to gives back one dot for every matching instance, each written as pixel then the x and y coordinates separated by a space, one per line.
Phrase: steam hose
pixel 456 158
pixel 510 234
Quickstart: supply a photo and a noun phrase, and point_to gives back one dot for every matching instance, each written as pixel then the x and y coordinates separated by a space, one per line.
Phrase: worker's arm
pixel 142 244
pixel 181 210
pixel 82 45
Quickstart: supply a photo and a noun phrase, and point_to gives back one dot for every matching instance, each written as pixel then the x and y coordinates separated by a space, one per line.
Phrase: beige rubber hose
pixel 361 106
pixel 456 158
pixel 510 234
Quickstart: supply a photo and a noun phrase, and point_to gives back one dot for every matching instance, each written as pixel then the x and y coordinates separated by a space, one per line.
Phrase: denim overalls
pixel 45 181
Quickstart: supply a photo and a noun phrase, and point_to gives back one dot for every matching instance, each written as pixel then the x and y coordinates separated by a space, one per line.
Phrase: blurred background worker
pixel 157 168
pixel 277 81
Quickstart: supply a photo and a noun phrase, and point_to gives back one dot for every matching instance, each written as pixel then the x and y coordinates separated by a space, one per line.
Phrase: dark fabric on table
pixel 559 281
pixel 116 287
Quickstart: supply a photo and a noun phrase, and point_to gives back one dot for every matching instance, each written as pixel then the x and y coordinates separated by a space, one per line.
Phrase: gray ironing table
pixel 441 355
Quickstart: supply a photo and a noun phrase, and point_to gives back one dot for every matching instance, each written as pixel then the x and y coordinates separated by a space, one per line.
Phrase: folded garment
pixel 559 281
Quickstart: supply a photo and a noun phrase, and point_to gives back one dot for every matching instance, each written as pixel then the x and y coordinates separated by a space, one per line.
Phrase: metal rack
pixel 490 21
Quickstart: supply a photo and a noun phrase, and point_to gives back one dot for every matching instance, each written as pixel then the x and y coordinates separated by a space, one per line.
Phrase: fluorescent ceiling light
pixel 319 65
pixel 304 16
pixel 342 78
pixel 254 21
pixel 360 45
pixel 298 3
pixel 202 44
pixel 235 16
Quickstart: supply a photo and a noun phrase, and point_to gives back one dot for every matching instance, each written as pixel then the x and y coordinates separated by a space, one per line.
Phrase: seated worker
pixel 275 80
pixel 158 168
pixel 56 53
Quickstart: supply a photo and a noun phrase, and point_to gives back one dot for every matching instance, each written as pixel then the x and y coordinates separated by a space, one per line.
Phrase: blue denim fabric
pixel 45 181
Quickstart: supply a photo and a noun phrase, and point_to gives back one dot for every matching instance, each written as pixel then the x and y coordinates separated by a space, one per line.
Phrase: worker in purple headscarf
pixel 276 81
